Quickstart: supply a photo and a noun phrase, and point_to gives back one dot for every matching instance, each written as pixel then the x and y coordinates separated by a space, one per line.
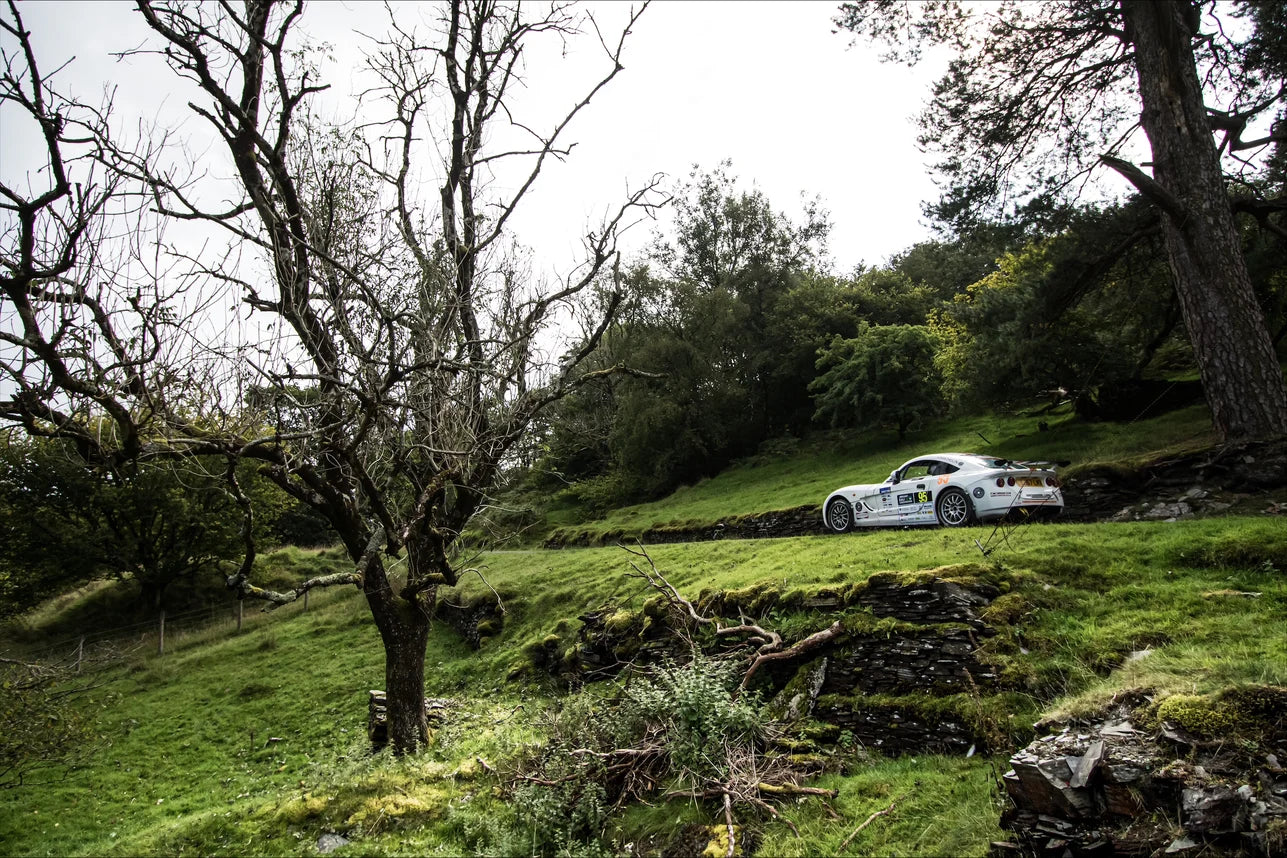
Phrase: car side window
pixel 917 470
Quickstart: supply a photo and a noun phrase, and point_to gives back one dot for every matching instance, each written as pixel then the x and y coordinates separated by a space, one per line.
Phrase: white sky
pixel 765 84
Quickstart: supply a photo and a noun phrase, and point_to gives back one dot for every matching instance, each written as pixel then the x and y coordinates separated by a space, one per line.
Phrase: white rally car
pixel 951 489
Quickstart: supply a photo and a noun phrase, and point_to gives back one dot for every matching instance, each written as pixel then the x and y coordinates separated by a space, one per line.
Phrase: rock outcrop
pixel 1112 787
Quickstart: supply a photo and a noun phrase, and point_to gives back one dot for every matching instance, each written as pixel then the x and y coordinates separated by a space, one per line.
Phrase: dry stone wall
pixel 938 660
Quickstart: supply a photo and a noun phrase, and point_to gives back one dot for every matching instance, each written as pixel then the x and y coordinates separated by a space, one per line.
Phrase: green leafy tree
pixel 1040 94
pixel 885 376
pixel 1081 311
pixel 733 240
pixel 152 524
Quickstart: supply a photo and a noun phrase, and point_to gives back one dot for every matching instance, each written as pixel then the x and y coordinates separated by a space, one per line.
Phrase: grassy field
pixel 809 473
pixel 255 743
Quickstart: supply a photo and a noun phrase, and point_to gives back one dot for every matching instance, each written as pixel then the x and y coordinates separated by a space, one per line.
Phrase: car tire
pixel 953 508
pixel 840 516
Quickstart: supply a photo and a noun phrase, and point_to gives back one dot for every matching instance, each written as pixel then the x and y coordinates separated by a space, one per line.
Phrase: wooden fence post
pixel 240 606
pixel 160 639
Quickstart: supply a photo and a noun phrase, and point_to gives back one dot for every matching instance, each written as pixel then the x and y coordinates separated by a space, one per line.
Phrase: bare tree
pixel 402 348
pixel 70 239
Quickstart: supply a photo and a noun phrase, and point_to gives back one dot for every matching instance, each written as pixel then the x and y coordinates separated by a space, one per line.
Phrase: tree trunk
pixel 1240 371
pixel 404 678
pixel 404 629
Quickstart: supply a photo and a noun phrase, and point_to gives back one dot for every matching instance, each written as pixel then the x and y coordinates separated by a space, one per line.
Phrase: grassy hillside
pixel 255 743
pixel 807 474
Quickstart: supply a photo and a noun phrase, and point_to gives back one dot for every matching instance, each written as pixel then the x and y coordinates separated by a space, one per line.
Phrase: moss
pixel 1199 716
pixel 717 847
pixel 468 769
pixel 795 746
pixel 1257 705
pixel 1007 609
pixel 800 684
pixel 488 629
pixel 655 607
pixel 621 621
pixel 964 574
pixel 395 806
pixel 298 810
pixel 753 601
pixel 807 762
pixel 541 653
pixel 794 598
pixel 1247 711
pixel 816 731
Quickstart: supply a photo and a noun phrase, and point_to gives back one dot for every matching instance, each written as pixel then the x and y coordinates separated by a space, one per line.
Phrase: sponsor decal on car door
pixel 916 506
pixel 885 510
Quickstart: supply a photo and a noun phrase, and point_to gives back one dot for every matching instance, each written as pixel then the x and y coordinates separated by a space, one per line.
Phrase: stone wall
pixel 899 728
pixel 473 620
pixel 886 689
pixel 929 660
pixel 929 602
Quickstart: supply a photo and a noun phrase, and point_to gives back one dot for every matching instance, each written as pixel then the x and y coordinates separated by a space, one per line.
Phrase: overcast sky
pixel 765 84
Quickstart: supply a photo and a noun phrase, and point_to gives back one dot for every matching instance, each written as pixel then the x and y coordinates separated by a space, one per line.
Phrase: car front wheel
pixel 954 508
pixel 840 515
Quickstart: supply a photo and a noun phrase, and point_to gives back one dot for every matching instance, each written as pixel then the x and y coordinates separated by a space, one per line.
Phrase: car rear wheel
pixel 840 515
pixel 954 508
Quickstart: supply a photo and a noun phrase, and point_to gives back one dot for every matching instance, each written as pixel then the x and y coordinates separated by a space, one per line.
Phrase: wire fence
pixel 166 632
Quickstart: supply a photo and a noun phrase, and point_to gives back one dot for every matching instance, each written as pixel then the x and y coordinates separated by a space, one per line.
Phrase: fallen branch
pixel 792 789
pixel 728 822
pixel 770 643
pixel 799 648
pixel 869 821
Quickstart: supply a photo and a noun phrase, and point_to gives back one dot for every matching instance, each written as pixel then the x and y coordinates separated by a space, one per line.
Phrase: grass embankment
pixel 256 744
pixel 810 473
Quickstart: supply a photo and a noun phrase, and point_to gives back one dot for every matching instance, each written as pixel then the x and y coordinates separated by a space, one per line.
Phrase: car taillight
pixel 1000 482
pixel 1009 481
pixel 1052 482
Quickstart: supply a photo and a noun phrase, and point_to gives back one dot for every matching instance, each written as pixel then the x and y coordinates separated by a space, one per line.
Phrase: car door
pixel 913 496
pixel 879 501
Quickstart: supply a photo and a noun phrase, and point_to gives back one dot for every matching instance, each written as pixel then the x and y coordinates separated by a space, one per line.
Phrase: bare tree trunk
pixel 404 629
pixel 1240 371
pixel 404 678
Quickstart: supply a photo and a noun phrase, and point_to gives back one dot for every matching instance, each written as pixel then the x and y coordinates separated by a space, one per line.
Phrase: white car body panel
pixel 914 498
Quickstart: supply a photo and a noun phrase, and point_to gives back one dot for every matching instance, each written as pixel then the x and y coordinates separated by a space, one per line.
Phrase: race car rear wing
pixel 1063 463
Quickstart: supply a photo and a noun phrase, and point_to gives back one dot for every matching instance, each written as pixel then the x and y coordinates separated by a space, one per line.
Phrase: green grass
pixel 811 473
pixel 184 764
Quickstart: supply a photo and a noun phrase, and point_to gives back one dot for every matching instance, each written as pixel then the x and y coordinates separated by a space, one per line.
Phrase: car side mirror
pixel 893 478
